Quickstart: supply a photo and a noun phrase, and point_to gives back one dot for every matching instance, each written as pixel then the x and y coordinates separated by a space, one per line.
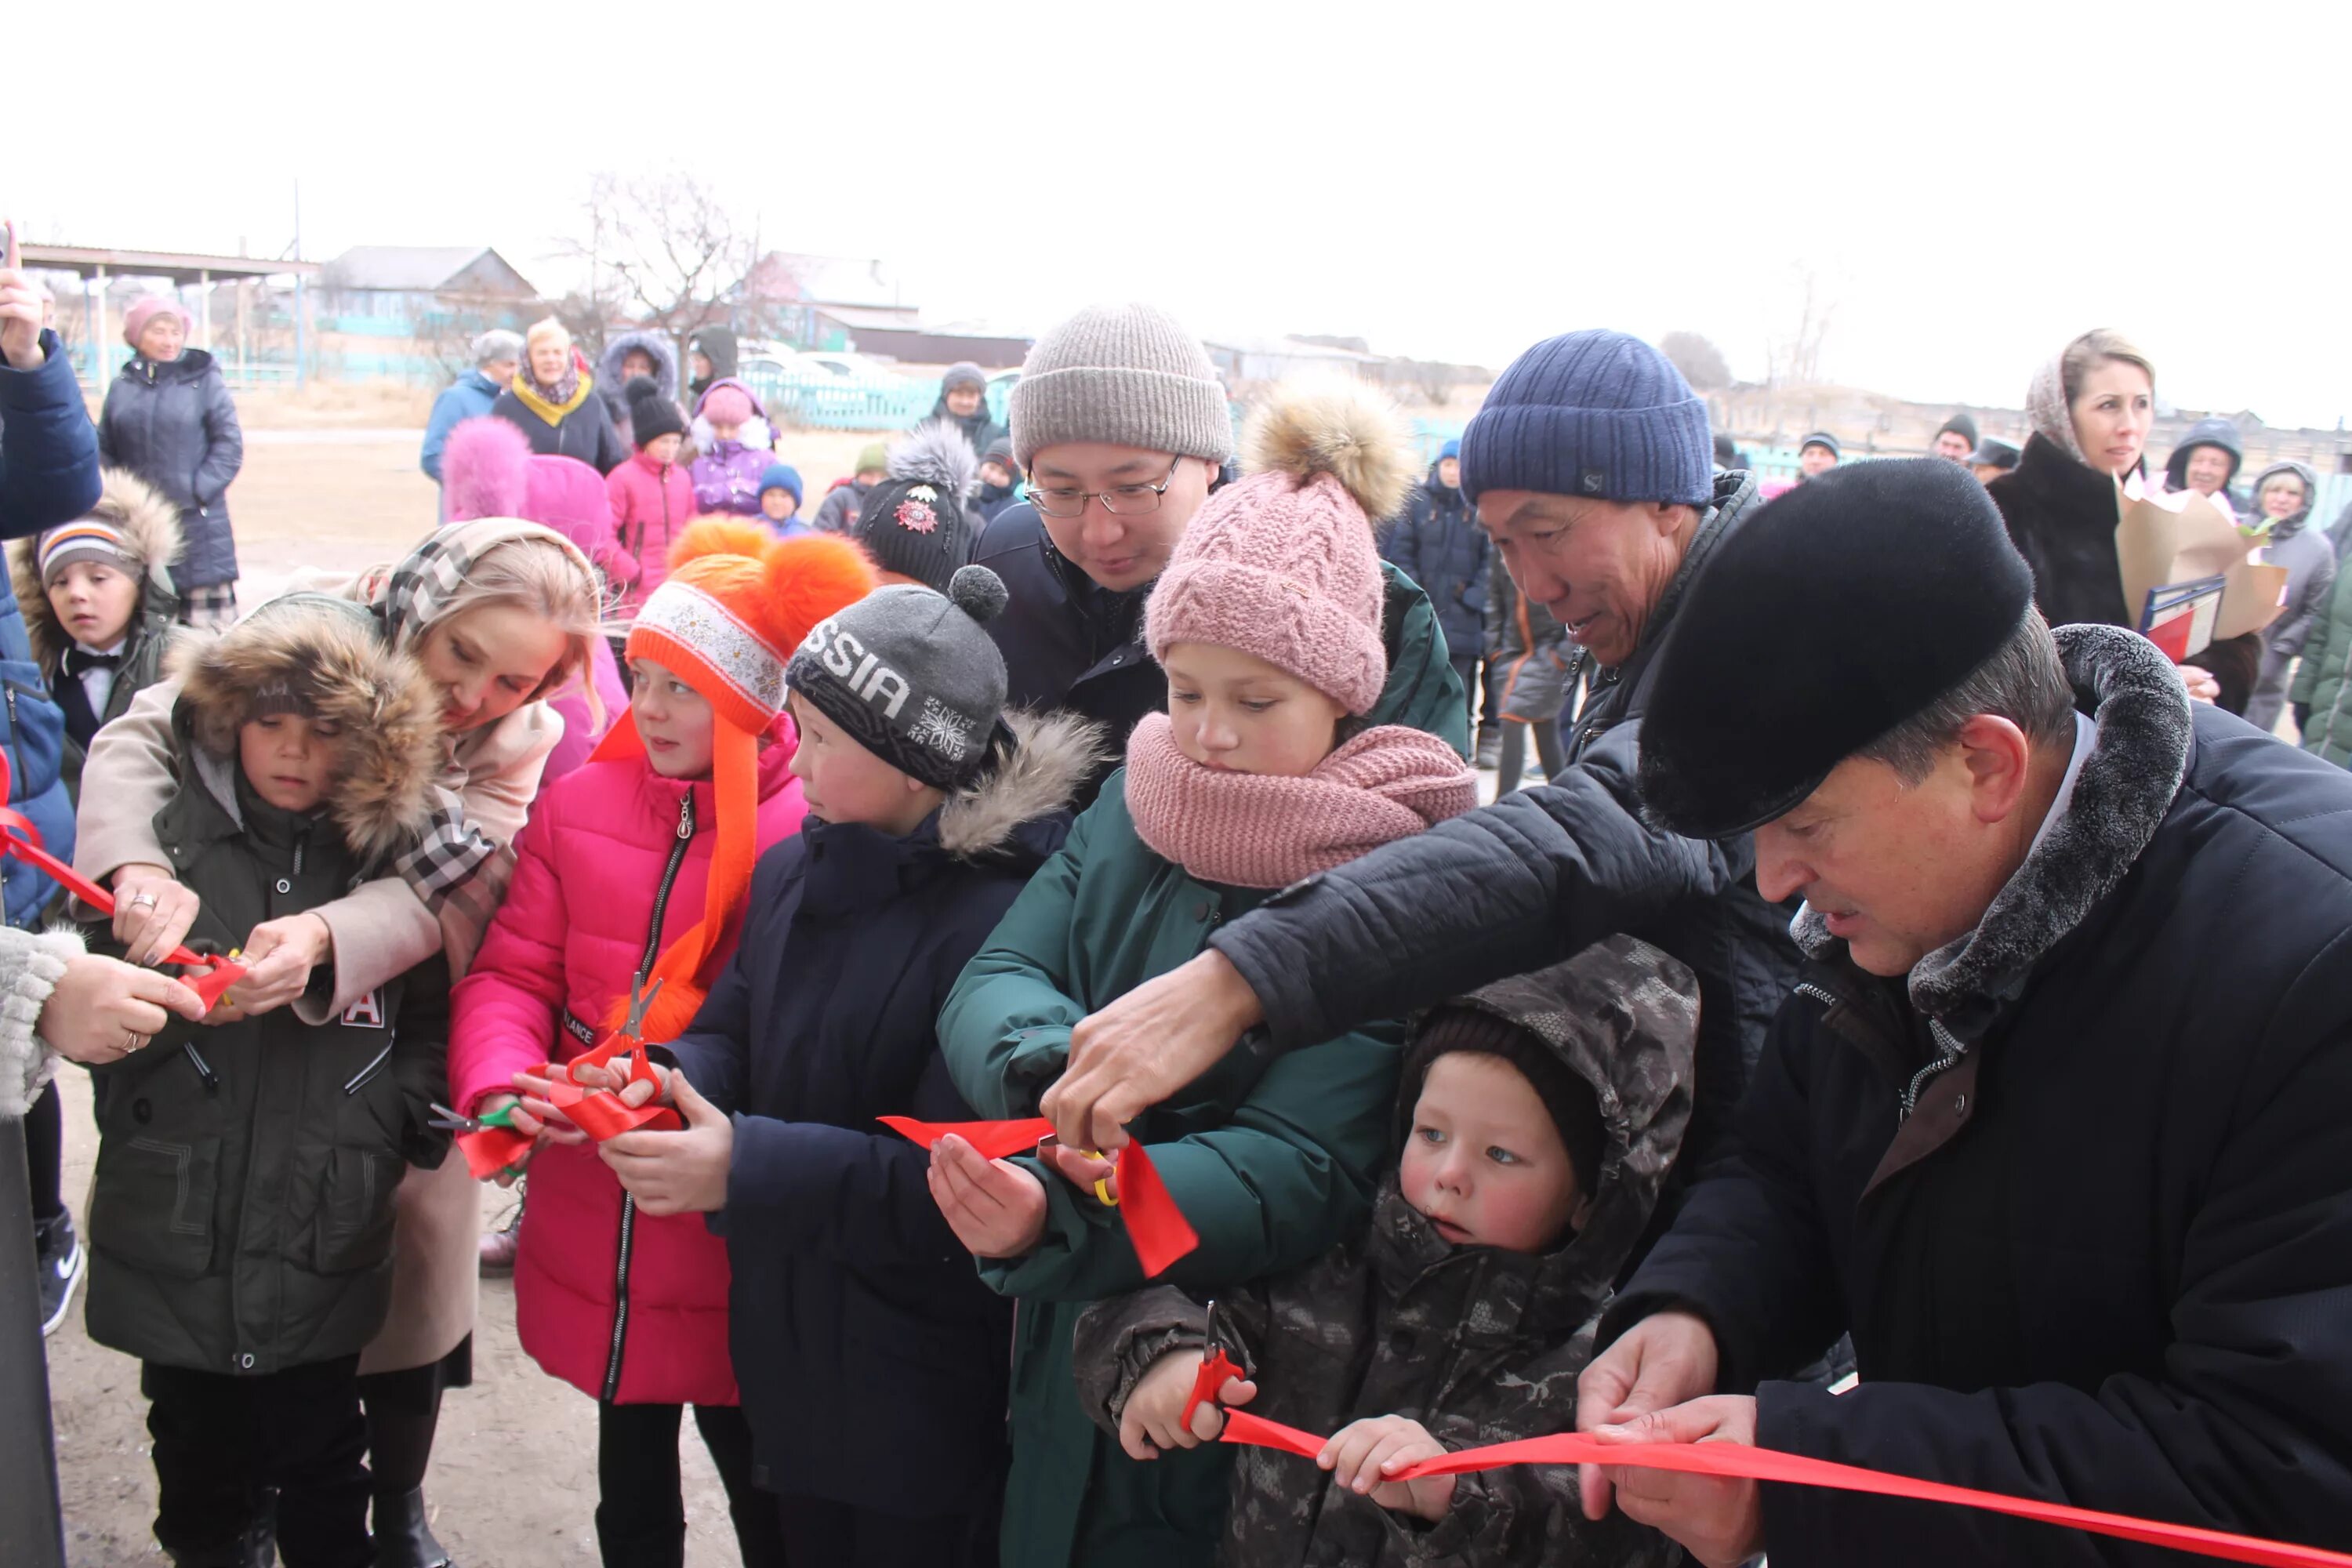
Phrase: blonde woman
pixel 552 399
pixel 502 614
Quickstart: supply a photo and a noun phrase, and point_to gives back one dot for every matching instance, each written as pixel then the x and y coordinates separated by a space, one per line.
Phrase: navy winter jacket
pixel 1439 545
pixel 174 426
pixel 48 475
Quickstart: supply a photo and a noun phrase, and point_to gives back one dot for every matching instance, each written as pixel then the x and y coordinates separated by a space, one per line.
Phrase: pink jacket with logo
pixel 652 504
pixel 619 1304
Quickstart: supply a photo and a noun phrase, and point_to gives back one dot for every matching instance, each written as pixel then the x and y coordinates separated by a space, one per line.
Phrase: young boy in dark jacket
pixel 241 1219
pixel 871 1359
pixel 1539 1117
pixel 100 608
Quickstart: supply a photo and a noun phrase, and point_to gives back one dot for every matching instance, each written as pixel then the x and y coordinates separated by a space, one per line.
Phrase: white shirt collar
pixel 2087 735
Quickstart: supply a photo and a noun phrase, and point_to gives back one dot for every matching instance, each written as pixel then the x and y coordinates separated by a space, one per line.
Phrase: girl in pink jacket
pixel 652 499
pixel 632 870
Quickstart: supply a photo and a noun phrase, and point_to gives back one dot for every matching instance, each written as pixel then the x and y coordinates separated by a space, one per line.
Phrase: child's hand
pixel 1152 1418
pixel 545 1122
pixel 676 1173
pixel 1082 1169
pixel 631 1092
pixel 1361 1454
pixel 995 1208
pixel 279 958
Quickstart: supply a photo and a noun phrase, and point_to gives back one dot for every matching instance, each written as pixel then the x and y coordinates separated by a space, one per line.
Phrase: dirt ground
pixel 513 1479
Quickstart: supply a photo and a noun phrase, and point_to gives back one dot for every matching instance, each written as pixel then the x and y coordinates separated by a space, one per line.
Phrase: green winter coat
pixel 1272 1163
pixel 2323 678
pixel 241 1219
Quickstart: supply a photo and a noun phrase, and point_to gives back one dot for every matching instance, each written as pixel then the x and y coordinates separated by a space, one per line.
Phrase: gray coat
pixel 2309 557
pixel 174 426
pixel 1477 1344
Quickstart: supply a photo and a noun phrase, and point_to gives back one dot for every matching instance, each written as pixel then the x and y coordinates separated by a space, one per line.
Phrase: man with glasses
pixel 1122 427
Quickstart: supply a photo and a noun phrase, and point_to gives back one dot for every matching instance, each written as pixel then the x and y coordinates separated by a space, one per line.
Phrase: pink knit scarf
pixel 1247 830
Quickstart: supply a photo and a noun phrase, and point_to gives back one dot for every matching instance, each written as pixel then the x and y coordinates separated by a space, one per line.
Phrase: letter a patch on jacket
pixel 366 1013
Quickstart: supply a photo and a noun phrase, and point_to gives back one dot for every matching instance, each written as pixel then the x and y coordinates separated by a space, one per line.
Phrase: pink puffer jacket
pixel 591 865
pixel 652 504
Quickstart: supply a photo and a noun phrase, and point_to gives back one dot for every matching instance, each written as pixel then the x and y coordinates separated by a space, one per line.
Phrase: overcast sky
pixel 1974 184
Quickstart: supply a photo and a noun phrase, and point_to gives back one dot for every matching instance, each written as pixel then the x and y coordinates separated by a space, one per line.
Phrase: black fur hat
pixel 1829 617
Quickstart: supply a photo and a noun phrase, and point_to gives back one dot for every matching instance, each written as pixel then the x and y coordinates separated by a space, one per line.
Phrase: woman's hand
pixel 1363 1455
pixel 103 1009
pixel 153 912
pixel 995 1208
pixel 1152 1420
pixel 279 958
pixel 2202 687
pixel 536 1113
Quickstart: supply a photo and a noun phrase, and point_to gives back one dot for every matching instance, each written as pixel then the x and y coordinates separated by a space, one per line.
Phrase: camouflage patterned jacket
pixel 1478 1344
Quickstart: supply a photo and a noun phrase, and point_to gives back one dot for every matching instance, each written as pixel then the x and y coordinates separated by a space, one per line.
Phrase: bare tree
pixel 1701 362
pixel 1796 357
pixel 661 249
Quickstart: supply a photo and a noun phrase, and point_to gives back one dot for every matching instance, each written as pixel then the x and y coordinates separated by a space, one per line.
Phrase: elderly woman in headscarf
pixel 168 418
pixel 2091 408
pixel 552 400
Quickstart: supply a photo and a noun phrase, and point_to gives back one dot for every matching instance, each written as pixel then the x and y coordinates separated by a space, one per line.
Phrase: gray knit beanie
pixel 911 676
pixel 1126 375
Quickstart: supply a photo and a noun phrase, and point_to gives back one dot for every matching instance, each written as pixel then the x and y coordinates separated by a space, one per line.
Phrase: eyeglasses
pixel 1119 501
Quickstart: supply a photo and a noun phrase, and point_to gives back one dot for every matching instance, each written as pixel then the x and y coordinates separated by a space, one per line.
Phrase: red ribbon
pixel 598 1112
pixel 1156 1227
pixel 1732 1461
pixel 20 838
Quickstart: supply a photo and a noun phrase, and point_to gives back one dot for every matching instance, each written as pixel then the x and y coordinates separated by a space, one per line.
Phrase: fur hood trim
pixel 2293 524
pixel 614 384
pixel 1051 755
pixel 936 453
pixel 150 526
pixel 2121 796
pixel 330 652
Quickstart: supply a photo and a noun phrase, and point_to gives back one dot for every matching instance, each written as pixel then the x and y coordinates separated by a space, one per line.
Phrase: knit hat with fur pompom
pixel 1282 564
pixel 736 604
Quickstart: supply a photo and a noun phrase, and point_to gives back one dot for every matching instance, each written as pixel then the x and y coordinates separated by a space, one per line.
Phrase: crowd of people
pixel 1903 966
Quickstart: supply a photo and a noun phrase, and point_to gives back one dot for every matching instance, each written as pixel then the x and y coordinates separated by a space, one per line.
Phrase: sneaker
pixel 58 1252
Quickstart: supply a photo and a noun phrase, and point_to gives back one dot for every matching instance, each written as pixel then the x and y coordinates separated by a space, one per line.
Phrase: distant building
pixel 1279 359
pixel 405 312
pixel 837 302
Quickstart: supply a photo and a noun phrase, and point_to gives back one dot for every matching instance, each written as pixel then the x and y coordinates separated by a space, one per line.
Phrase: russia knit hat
pixel 782 477
pixel 872 458
pixel 1575 1109
pixel 1282 564
pixel 1878 587
pixel 1961 424
pixel 916 522
pixel 963 373
pixel 736 602
pixel 1596 413
pixel 652 416
pixel 912 675
pixel 146 309
pixel 1824 439
pixel 1125 375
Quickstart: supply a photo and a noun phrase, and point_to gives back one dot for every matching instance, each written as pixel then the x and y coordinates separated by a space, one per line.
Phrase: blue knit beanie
pixel 1451 450
pixel 784 476
pixel 1596 413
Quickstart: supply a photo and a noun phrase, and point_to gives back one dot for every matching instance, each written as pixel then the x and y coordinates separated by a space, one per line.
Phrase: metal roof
pixel 409 268
pixel 180 267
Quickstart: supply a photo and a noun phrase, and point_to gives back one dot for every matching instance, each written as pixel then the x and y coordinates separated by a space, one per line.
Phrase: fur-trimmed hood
pixel 329 651
pixel 613 385
pixel 150 526
pixel 1052 756
pixel 2126 787
pixel 2294 522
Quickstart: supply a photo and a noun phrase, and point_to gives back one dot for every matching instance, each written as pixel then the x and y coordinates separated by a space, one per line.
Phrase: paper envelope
pixel 2168 539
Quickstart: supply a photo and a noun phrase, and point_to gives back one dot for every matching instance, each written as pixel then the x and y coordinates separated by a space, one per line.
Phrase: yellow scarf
pixel 553 413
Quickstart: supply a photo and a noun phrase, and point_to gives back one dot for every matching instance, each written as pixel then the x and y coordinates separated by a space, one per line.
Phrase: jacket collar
pixel 2121 797
pixel 1735 493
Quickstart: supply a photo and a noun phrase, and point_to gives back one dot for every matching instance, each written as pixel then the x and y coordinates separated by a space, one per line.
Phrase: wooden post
pixel 205 307
pixel 100 375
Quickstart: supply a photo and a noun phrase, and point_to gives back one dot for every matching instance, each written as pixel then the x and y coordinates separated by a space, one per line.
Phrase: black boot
pixel 403 1538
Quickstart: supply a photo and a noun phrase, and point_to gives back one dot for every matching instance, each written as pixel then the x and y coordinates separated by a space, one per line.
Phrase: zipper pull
pixel 686 814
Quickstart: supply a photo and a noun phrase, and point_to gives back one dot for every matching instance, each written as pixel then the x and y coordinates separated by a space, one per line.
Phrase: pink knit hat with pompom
pixel 726 405
pixel 1281 565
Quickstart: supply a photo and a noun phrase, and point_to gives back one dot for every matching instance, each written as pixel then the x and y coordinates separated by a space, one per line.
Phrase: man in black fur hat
pixel 2053 1124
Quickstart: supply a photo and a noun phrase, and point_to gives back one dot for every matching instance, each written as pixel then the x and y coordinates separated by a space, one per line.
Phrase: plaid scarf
pixel 454 867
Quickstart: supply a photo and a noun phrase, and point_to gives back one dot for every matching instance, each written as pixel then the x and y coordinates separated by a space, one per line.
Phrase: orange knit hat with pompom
pixel 736 604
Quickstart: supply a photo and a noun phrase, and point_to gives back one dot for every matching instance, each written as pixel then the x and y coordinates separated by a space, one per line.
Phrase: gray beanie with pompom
pixel 912 675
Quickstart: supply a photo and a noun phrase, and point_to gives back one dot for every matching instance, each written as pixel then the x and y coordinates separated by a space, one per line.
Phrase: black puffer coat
pixel 1477 1344
pixel 1439 545
pixel 174 426
pixel 2062 515
pixel 1532 878
pixel 2107 1258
